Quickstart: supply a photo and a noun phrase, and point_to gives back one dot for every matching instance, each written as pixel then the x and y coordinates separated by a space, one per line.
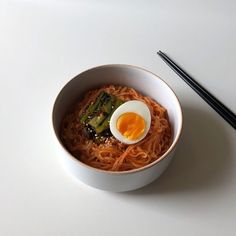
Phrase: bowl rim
pixel 161 158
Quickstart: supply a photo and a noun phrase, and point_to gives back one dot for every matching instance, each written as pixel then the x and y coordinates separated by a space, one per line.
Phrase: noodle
pixel 112 154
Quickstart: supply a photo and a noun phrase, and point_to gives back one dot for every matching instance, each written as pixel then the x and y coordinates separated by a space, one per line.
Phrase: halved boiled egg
pixel 130 122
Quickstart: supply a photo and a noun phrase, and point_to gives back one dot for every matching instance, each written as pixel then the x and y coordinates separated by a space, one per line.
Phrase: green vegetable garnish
pixel 94 106
pixel 105 123
pixel 96 120
pixel 107 107
pixel 98 114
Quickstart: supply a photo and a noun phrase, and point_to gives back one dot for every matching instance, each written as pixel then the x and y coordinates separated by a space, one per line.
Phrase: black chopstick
pixel 220 108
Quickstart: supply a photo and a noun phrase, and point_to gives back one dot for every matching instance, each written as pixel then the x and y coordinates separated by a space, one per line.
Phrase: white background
pixel 43 44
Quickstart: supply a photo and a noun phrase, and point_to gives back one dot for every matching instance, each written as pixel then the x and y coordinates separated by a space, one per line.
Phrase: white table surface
pixel 43 44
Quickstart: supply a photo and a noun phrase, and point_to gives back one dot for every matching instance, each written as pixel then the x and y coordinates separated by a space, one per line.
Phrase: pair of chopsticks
pixel 220 108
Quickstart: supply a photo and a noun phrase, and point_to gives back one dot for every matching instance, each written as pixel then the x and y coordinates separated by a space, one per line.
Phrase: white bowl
pixel 145 82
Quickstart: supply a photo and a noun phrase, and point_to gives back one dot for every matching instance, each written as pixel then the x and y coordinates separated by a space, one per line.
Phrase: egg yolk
pixel 131 125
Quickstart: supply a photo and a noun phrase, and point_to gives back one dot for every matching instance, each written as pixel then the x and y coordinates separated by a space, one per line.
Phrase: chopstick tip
pixel 160 53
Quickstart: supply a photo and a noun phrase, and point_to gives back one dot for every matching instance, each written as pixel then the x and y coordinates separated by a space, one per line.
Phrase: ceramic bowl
pixel 145 82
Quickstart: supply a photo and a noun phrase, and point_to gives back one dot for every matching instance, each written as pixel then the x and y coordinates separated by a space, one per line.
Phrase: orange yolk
pixel 131 125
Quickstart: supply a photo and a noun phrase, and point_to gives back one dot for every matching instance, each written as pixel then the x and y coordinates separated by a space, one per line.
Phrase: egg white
pixel 137 107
